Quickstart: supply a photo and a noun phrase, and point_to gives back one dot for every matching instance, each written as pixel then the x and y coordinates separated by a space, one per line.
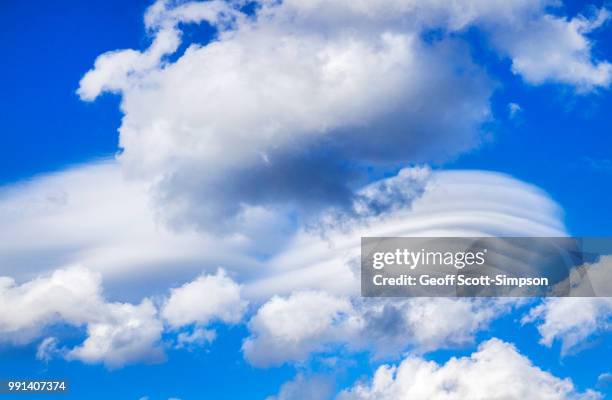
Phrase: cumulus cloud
pixel 71 295
pixel 604 380
pixel 204 300
pixel 514 109
pixel 425 203
pixel 287 106
pixel 575 320
pixel 303 387
pixel 549 48
pixel 496 371
pixel 116 333
pixel 291 329
pixel 196 338
pixel 572 321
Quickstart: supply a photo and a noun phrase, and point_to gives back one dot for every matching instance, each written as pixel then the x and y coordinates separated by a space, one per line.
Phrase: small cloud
pixel 47 349
pixel 514 110
pixel 197 338
pixel 605 380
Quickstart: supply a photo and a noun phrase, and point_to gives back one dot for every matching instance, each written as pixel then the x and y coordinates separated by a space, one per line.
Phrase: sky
pixel 184 186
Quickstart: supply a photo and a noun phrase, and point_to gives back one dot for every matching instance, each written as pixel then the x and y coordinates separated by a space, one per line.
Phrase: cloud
pixel 514 110
pixel 198 337
pixel 302 387
pixel 546 48
pixel 116 333
pixel 496 371
pixel 604 380
pixel 575 320
pixel 270 114
pixel 121 240
pixel 425 324
pixel 47 349
pixel 571 320
pixel 430 203
pixel 128 333
pixel 204 300
pixel 72 295
pixel 291 329
pixel 90 215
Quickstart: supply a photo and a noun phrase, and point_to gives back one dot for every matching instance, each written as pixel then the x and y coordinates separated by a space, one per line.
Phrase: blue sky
pixel 557 140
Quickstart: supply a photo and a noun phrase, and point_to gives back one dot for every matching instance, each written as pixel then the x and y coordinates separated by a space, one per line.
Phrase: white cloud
pixel 291 329
pixel 554 49
pixel 495 371
pixel 117 333
pixel 417 202
pixel 92 216
pixel 268 105
pixel 126 334
pixel 604 380
pixel 236 135
pixel 424 324
pixel 514 109
pixel 47 349
pixel 572 321
pixel 198 337
pixel 72 295
pixel 575 320
pixel 302 387
pixel 204 300
pixel 281 99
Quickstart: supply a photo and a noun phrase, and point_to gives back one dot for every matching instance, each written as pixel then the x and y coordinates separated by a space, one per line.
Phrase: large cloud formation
pixel 496 371
pixel 292 329
pixel 288 104
pixel 273 122
pixel 117 333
